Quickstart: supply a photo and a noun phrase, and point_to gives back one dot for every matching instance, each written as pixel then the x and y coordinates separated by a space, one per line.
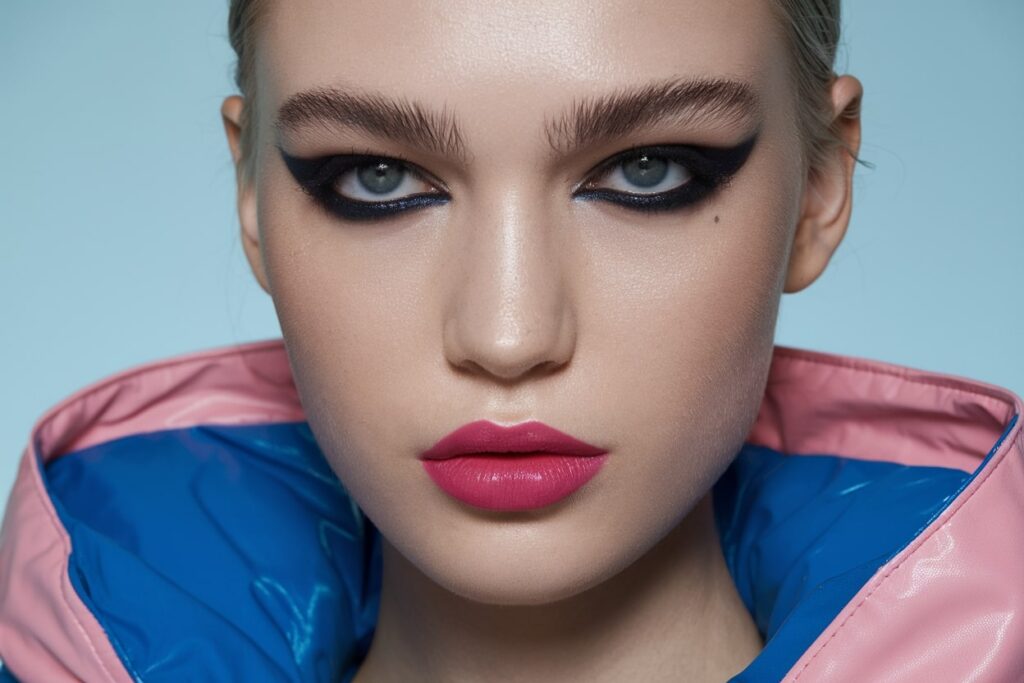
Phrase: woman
pixel 527 260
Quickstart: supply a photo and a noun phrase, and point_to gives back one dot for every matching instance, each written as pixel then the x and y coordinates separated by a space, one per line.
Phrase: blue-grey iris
pixel 381 178
pixel 645 171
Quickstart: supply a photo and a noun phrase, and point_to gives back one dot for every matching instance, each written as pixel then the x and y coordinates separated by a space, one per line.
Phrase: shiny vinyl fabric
pixel 178 522
pixel 233 553
pixel 223 553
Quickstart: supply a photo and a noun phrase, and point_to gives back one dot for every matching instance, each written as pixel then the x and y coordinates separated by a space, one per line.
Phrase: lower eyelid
pixel 678 199
pixel 358 211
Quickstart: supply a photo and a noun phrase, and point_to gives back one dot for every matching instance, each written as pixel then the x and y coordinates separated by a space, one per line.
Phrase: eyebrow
pixel 588 121
pixel 376 114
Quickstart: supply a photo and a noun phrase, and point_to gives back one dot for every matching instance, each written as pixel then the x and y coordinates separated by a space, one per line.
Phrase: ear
pixel 828 192
pixel 231 113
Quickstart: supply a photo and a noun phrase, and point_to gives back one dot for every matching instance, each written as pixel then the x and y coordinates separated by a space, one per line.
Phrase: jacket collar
pixel 870 502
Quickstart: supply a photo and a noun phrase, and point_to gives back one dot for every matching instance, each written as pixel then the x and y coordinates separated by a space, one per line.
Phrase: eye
pixel 363 187
pixel 665 177
pixel 648 174
pixel 383 179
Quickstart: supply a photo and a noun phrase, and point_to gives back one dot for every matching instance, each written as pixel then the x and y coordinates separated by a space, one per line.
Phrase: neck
pixel 672 615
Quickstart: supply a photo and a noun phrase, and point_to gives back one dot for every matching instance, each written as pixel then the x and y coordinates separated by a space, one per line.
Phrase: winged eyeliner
pixel 709 168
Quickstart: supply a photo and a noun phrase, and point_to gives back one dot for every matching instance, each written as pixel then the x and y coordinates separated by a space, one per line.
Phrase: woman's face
pixel 527 282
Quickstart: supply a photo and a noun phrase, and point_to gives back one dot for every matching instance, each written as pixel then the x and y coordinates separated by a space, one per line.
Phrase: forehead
pixel 501 62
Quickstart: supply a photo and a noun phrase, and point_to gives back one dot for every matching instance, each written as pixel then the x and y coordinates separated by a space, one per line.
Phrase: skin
pixel 649 335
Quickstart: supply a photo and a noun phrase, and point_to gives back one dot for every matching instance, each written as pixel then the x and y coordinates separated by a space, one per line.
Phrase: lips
pixel 487 437
pixel 527 466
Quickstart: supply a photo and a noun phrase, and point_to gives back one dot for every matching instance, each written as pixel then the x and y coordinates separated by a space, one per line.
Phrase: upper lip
pixel 484 436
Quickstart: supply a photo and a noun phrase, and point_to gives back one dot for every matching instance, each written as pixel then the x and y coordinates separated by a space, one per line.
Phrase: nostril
pixel 506 376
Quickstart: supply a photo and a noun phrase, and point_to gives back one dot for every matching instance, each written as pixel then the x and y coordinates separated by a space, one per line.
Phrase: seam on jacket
pixel 952 384
pixel 1016 445
pixel 65 578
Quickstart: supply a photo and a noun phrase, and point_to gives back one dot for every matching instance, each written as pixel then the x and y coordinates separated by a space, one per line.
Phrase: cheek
pixel 349 297
pixel 355 316
pixel 698 292
pixel 682 330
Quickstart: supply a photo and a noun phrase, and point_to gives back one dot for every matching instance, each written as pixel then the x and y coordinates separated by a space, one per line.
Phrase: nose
pixel 509 314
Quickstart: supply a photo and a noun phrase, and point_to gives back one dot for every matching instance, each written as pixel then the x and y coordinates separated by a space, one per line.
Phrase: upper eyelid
pixel 328 165
pixel 670 152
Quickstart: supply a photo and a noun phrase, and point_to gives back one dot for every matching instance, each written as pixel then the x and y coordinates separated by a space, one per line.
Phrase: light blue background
pixel 118 238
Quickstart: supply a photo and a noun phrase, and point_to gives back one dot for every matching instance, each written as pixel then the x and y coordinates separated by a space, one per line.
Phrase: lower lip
pixel 513 482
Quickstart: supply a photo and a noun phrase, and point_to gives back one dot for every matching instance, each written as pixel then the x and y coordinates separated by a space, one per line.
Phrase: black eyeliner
pixel 711 168
pixel 317 175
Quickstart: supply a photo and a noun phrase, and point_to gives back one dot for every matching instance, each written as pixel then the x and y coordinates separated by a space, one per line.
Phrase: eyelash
pixel 317 176
pixel 708 168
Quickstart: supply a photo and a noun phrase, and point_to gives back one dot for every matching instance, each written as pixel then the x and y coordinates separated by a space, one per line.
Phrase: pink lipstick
pixel 524 467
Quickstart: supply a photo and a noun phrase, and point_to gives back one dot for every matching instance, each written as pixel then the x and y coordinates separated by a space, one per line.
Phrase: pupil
pixel 380 178
pixel 645 171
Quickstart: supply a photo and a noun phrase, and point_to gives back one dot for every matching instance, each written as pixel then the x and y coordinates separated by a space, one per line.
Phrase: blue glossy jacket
pixel 177 522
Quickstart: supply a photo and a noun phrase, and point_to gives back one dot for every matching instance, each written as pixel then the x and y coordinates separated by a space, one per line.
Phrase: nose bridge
pixel 510 311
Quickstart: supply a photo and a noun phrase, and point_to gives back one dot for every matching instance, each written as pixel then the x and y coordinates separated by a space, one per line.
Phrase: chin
pixel 494 584
pixel 522 574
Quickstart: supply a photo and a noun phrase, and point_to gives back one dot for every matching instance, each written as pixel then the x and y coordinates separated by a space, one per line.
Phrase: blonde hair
pixel 813 30
pixel 811 26
pixel 243 16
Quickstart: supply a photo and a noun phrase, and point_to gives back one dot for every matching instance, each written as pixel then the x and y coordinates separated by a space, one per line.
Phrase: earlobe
pixel 828 192
pixel 231 115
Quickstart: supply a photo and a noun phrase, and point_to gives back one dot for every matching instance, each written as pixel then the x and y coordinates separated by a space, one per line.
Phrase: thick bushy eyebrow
pixel 591 121
pixel 395 119
pixel 588 121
